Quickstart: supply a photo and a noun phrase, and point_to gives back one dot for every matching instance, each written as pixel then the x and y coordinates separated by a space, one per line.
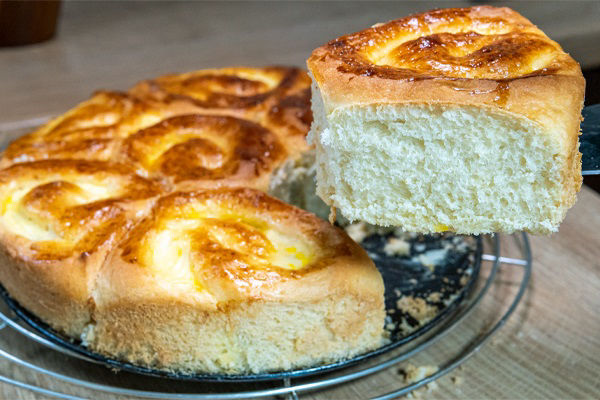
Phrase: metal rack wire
pixel 291 387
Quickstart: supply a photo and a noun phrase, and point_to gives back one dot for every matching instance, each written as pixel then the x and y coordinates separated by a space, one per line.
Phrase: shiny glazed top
pixel 231 244
pixel 69 208
pixel 458 43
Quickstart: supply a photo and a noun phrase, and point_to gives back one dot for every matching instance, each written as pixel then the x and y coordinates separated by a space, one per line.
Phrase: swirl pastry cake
pixel 137 222
pixel 464 120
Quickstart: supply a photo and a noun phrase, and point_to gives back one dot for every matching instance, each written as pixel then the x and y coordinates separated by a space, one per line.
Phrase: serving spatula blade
pixel 589 141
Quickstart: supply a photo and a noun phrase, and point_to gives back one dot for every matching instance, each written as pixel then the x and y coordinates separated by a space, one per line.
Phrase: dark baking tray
pixel 399 274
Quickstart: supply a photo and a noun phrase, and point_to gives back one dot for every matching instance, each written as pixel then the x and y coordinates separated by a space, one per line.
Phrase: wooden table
pixel 549 349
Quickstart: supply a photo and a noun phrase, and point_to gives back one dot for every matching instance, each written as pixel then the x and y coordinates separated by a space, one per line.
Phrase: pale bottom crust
pixel 57 294
pixel 256 336
pixel 248 337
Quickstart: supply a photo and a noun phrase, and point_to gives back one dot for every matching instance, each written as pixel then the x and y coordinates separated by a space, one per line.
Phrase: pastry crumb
pixel 434 297
pixel 332 215
pixel 396 247
pixel 432 258
pixel 413 374
pixel 417 308
pixel 357 232
pixel 457 380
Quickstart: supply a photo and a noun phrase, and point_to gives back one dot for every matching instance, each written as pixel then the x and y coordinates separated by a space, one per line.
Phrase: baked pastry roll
pixel 91 131
pixel 58 220
pixel 198 151
pixel 232 280
pixel 462 119
pixel 275 97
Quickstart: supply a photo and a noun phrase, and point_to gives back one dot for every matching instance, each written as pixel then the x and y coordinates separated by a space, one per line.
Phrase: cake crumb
pixel 416 308
pixel 332 215
pixel 357 232
pixel 432 258
pixel 405 327
pixel 457 380
pixel 413 374
pixel 434 297
pixel 396 247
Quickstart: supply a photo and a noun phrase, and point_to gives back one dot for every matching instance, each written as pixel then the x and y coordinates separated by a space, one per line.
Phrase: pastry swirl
pixel 275 97
pixel 67 206
pixel 235 243
pixel 194 151
pixel 226 88
pixel 58 220
pixel 462 43
pixel 91 131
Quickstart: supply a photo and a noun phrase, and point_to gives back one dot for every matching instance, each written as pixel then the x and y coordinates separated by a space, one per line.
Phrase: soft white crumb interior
pixel 437 167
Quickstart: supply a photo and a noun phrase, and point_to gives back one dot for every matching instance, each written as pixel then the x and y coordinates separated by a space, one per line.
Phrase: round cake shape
pixel 58 220
pixel 232 280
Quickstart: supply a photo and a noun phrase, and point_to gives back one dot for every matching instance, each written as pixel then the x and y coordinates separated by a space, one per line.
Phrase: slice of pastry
pixel 459 119
pixel 232 280
pixel 58 220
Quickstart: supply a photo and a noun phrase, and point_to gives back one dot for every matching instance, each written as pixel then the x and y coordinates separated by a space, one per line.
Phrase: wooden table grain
pixel 550 348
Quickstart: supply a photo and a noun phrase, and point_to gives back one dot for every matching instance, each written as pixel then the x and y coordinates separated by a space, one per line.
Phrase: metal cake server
pixel 590 140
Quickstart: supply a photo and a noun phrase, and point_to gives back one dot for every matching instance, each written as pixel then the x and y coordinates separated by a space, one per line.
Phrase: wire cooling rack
pixel 493 260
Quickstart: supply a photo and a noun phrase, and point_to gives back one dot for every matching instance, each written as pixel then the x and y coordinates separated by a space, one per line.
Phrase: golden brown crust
pixel 463 43
pixel 55 231
pixel 227 88
pixel 510 64
pixel 90 131
pixel 487 57
pixel 276 97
